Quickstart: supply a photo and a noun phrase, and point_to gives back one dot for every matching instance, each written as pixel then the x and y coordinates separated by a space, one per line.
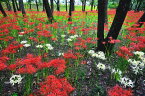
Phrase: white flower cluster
pixel 99 54
pixel 101 66
pixel 116 71
pixel 63 36
pixel 141 55
pixel 15 79
pixel 127 82
pixel 72 37
pixel 39 46
pixel 48 46
pixel 138 66
pixel 25 43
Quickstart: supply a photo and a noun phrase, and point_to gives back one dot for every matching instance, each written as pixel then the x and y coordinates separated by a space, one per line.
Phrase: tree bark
pixel 73 5
pixel 141 20
pixel 106 12
pixel 30 5
pixel 119 18
pixel 48 10
pixel 2 10
pixel 58 5
pixel 118 21
pixel 92 4
pixel 8 5
pixel 101 22
pixel 37 6
pixel 66 4
pixel 18 8
pixel 43 7
pixel 14 6
pixel 85 5
pixel 52 6
pixel 22 7
pixel 70 10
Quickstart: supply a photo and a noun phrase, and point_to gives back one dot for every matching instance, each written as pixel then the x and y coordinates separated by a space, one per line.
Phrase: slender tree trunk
pixel 138 7
pixel 118 21
pixel 66 4
pixel 43 7
pixel 14 7
pixel 18 8
pixel 92 4
pixel 119 18
pixel 22 7
pixel 83 5
pixel 70 10
pixel 101 22
pixel 48 10
pixel 73 5
pixel 141 20
pixel 52 6
pixel 106 14
pixel 58 5
pixel 37 6
pixel 30 5
pixel 8 5
pixel 2 10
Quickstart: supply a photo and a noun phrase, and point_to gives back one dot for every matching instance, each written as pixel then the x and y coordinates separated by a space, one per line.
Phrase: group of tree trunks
pixel 103 44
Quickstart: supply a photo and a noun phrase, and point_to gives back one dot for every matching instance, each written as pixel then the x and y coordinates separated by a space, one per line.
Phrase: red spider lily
pixel 118 91
pixel 44 33
pixel 2 65
pixel 59 64
pixel 12 48
pixel 55 87
pixel 30 64
pixel 69 55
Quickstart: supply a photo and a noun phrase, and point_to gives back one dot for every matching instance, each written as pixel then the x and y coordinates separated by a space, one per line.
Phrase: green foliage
pixel 14 94
pixel 3 0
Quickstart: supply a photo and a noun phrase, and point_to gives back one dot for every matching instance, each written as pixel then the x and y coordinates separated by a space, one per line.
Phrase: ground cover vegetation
pixel 49 49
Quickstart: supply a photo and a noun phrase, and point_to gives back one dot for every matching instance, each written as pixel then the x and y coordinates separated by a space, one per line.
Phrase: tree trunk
pixel 92 4
pixel 52 6
pixel 66 4
pixel 30 5
pixel 2 10
pixel 48 10
pixel 106 15
pixel 37 6
pixel 18 8
pixel 141 20
pixel 73 5
pixel 43 7
pixel 8 5
pixel 70 10
pixel 101 22
pixel 14 7
pixel 119 18
pixel 85 5
pixel 22 7
pixel 138 7
pixel 58 5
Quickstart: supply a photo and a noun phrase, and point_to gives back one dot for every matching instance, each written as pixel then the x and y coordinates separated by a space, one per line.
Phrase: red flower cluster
pixel 59 64
pixel 118 91
pixel 12 48
pixel 2 62
pixel 53 86
pixel 30 64
pixel 44 33
pixel 69 55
